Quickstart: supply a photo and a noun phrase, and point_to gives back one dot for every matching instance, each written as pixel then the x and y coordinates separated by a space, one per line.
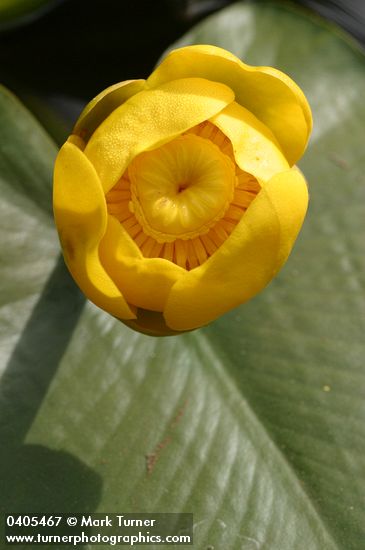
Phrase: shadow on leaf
pixel 33 477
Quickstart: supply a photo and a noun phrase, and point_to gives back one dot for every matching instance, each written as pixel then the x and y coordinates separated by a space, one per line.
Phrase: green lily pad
pixel 254 424
pixel 14 12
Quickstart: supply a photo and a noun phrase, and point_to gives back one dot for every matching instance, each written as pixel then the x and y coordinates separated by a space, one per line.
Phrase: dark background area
pixel 65 55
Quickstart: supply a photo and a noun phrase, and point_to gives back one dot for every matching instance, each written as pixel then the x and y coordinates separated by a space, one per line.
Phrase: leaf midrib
pixel 225 379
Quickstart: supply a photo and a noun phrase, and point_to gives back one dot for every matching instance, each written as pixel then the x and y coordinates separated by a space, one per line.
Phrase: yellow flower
pixel 176 198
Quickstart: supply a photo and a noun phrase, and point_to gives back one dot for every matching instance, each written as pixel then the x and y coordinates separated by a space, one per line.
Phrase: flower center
pixel 181 189
pixel 183 200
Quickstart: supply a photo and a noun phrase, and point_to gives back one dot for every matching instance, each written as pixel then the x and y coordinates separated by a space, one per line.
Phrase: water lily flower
pixel 177 198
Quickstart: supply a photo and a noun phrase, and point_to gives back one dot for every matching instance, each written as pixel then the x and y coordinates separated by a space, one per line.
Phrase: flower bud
pixel 177 198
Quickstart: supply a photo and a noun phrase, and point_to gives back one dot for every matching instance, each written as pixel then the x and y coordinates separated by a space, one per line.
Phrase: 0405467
pixel 33 521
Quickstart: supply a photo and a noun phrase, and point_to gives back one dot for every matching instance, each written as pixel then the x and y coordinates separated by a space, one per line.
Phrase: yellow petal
pixel 103 104
pixel 268 93
pixel 296 90
pixel 150 119
pixel 145 282
pixel 80 214
pixel 247 260
pixel 255 148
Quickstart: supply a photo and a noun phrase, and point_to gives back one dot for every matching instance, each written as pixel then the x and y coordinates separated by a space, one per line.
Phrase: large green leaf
pixel 256 423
